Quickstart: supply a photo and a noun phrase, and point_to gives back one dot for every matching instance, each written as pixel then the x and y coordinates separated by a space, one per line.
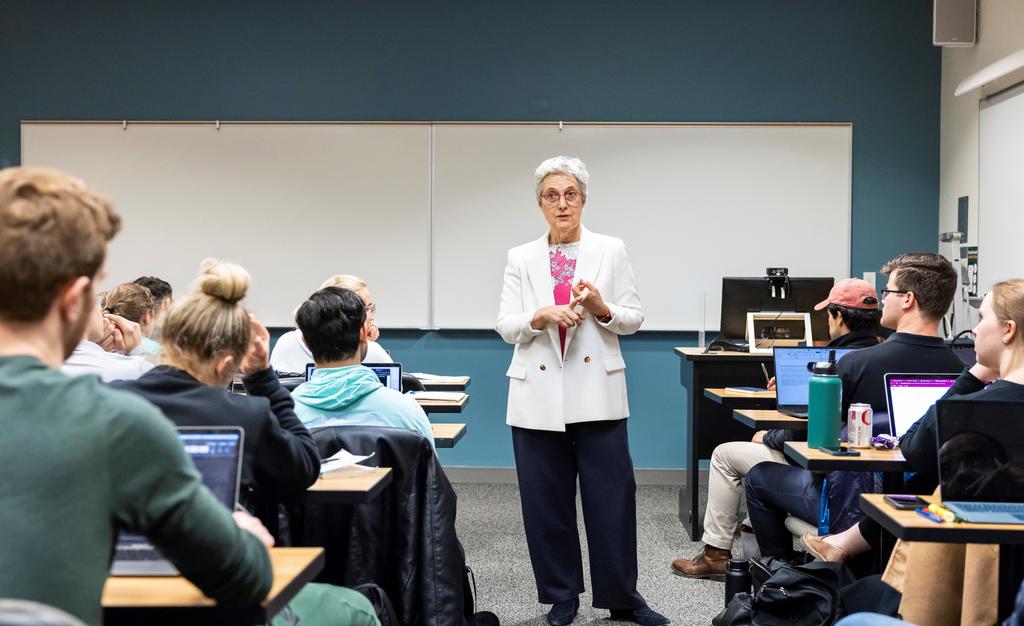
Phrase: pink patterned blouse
pixel 562 257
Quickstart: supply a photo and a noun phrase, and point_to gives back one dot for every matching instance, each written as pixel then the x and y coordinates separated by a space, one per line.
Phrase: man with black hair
pixel 852 323
pixel 335 326
pixel 161 290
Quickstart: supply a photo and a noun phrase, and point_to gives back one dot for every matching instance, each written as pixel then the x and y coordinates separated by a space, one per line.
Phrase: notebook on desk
pixel 792 376
pixel 217 454
pixel 981 460
pixel 909 396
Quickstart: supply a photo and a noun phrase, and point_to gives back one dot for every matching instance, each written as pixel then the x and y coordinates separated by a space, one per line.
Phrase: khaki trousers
pixel 730 462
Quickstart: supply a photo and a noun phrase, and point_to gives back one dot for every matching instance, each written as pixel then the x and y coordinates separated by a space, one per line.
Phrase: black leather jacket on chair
pixel 404 539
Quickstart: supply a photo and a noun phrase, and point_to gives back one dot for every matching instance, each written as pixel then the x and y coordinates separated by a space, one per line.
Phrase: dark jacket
pixel 920 443
pixel 280 459
pixel 864 338
pixel 403 539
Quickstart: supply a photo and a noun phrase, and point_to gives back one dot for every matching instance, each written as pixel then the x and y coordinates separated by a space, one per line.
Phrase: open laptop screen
pixel 216 455
pixel 390 374
pixel 792 375
pixel 909 396
pixel 981 451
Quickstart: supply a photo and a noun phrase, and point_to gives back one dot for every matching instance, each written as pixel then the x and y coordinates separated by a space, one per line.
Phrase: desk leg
pixel 1011 571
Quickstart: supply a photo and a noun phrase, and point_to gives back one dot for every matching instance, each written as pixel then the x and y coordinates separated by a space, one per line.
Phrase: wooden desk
pixel 443 406
pixel 174 600
pixel 349 486
pixel 708 421
pixel 870 460
pixel 737 400
pixel 454 385
pixel 890 462
pixel 910 526
pixel 766 419
pixel 447 435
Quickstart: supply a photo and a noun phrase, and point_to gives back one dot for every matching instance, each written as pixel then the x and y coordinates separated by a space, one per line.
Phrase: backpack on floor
pixel 803 595
pixel 797 595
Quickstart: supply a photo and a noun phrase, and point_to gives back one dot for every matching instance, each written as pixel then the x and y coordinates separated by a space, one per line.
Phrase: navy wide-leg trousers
pixel 548 464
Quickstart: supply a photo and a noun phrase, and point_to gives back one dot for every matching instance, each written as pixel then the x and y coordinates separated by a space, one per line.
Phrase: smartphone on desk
pixel 905 503
pixel 839 451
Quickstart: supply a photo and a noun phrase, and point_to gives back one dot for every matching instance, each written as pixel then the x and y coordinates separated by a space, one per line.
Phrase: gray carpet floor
pixel 491 529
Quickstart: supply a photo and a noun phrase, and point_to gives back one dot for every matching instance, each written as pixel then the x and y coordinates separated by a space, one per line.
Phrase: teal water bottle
pixel 824 404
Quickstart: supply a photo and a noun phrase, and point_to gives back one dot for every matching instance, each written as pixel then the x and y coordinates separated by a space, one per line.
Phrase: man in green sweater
pixel 78 461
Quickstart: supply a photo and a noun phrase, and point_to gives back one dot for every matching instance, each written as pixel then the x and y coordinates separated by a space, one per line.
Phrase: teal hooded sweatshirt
pixel 353 396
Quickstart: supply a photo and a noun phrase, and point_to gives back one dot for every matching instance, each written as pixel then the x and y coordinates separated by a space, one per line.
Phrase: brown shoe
pixel 709 563
pixel 823 550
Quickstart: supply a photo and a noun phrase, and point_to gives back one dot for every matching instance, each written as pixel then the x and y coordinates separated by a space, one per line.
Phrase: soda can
pixel 858 425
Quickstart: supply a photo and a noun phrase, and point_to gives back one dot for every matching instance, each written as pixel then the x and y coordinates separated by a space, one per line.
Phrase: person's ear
pixel 225 366
pixel 364 331
pixel 70 300
pixel 909 300
pixel 1009 332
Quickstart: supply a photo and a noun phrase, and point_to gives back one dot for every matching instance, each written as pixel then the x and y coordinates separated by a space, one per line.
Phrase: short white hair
pixel 569 166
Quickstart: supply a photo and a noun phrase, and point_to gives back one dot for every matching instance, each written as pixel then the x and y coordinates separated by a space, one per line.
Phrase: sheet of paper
pixel 447 396
pixel 345 460
pixel 438 378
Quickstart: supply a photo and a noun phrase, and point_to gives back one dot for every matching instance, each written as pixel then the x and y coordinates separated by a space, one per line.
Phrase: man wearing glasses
pixel 919 291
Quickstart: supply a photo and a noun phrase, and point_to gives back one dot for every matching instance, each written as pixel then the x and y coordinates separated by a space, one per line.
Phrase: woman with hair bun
pixel 208 336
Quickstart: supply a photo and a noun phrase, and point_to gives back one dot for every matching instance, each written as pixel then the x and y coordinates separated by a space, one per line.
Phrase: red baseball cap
pixel 852 293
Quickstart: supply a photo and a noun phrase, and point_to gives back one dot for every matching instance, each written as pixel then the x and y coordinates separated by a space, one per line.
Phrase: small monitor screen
pixel 390 374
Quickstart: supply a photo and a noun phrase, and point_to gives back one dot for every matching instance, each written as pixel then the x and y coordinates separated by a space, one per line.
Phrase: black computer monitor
pixel 751 295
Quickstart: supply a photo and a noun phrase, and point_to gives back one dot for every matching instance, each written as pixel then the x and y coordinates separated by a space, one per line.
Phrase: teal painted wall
pixel 868 62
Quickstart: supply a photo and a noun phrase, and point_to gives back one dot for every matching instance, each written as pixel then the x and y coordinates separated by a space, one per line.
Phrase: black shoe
pixel 563 613
pixel 645 616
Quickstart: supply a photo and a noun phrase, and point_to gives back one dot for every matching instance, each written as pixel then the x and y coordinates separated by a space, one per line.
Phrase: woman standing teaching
pixel 566 298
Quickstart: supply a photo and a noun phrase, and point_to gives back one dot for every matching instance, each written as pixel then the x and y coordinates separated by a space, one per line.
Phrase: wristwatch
pixel 606 318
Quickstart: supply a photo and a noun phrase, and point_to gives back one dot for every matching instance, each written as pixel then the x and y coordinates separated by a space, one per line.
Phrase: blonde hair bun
pixel 223 280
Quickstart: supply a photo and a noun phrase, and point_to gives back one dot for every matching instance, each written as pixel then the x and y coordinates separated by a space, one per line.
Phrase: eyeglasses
pixel 572 197
pixel 886 292
pixel 371 309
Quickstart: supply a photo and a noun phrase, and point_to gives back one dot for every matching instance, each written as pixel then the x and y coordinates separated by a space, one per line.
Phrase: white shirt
pixel 290 354
pixel 89 358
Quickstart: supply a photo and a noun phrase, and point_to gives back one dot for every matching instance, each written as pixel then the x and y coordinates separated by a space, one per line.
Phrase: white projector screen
pixel 426 212
pixel 1000 190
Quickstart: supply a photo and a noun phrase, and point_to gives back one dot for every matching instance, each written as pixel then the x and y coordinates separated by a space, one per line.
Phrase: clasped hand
pixel 585 295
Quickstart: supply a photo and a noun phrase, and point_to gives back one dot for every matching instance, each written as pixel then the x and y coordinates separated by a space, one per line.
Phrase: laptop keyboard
pixel 137 553
pixel 992 507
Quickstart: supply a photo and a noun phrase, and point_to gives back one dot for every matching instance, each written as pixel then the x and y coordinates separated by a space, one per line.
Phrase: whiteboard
pixel 1000 190
pixel 693 203
pixel 292 203
pixel 425 212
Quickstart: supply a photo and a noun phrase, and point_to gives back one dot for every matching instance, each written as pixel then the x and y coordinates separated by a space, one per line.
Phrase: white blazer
pixel 546 392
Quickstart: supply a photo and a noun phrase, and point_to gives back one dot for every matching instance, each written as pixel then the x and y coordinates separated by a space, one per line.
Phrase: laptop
pixel 310 368
pixel 217 454
pixel 981 460
pixel 909 396
pixel 792 375
pixel 390 374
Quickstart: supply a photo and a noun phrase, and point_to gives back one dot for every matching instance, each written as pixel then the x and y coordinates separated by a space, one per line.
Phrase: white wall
pixel 1000 32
